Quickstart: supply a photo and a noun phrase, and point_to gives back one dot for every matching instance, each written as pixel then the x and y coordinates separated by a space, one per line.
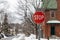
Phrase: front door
pixel 52 30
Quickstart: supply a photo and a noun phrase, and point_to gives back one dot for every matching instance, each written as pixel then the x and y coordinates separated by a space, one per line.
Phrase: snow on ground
pixel 23 37
pixel 31 37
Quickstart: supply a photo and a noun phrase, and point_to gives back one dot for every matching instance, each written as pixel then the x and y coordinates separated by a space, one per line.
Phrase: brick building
pixel 51 25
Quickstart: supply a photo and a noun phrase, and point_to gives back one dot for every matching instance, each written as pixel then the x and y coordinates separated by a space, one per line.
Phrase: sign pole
pixel 40 32
pixel 36 31
pixel 38 18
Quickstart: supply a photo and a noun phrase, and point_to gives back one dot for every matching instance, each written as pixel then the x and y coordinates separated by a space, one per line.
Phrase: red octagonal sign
pixel 38 17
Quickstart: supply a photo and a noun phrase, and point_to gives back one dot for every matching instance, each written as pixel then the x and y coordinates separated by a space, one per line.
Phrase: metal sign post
pixel 40 32
pixel 38 18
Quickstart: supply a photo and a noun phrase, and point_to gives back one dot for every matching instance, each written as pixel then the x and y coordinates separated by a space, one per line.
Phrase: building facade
pixel 51 25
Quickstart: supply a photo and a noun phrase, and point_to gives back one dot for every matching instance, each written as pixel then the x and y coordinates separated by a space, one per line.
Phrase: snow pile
pixel 43 39
pixel 54 39
pixel 23 37
pixel 31 37
pixel 14 39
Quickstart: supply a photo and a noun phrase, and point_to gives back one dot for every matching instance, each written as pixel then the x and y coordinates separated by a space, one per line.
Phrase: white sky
pixel 12 5
pixel 12 8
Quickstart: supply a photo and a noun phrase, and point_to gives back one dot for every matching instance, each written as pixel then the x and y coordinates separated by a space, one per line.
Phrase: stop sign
pixel 38 17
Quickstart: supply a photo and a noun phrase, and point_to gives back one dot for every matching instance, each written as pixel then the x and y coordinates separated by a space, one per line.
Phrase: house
pixel 51 24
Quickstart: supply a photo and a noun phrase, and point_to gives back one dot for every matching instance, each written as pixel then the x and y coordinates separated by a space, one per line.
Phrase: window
pixel 52 13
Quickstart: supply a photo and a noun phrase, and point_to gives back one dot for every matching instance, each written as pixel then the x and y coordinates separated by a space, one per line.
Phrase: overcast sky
pixel 11 6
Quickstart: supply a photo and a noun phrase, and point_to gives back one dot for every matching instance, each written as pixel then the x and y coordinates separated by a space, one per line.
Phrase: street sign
pixel 38 17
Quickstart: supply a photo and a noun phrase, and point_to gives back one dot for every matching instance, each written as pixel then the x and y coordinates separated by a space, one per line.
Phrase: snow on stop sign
pixel 38 17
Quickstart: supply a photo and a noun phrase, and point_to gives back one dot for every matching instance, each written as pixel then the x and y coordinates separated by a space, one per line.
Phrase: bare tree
pixel 25 7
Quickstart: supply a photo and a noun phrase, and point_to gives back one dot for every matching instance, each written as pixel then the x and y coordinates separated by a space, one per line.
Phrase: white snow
pixel 31 37
pixel 23 37
pixel 54 39
pixel 53 21
pixel 43 39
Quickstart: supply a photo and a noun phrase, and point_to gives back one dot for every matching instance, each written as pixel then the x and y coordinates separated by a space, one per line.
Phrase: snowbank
pixel 43 39
pixel 23 37
pixel 31 37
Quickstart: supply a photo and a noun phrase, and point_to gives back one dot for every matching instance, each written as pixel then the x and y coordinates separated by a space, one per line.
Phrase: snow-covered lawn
pixel 43 39
pixel 23 37
pixel 31 37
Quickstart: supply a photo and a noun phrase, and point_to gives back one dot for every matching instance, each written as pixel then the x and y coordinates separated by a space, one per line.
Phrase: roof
pixel 49 4
pixel 53 21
